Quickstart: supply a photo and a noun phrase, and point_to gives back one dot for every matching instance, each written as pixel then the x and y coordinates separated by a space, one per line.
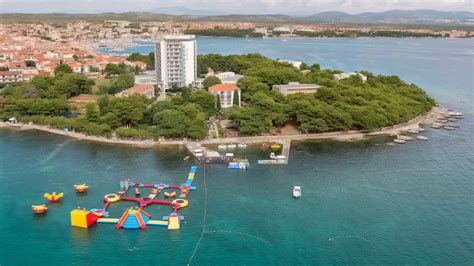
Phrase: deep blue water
pixel 363 203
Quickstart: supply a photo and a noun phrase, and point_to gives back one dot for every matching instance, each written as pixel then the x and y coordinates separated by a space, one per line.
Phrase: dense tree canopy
pixel 210 81
pixel 339 105
pixel 62 69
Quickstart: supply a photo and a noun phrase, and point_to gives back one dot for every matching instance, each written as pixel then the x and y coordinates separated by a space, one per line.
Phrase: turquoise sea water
pixel 362 203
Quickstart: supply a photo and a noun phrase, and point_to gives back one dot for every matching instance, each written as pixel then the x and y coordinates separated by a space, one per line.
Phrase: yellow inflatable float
pixel 170 194
pixel 53 197
pixel 180 202
pixel 111 198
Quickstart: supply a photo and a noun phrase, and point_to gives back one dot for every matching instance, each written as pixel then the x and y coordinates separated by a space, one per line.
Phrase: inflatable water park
pixel 174 196
pixel 138 218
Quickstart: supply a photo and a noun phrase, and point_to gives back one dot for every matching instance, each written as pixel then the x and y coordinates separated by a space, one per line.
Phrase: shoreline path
pixel 339 135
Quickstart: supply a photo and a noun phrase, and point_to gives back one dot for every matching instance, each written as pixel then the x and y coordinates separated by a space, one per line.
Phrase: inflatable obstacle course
pixel 138 218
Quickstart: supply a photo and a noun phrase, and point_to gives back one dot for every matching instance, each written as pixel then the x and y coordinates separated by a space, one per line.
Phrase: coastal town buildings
pixel 229 94
pixel 11 76
pixel 296 87
pixel 175 60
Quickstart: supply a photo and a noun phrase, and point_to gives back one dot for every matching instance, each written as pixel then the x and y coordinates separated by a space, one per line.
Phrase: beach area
pixel 351 135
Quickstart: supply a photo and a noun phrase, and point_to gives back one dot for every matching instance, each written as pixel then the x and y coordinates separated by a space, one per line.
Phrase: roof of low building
pixel 224 87
pixel 140 88
pixel 10 73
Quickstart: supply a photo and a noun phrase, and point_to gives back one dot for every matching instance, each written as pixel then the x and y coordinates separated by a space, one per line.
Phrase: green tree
pixel 92 115
pixel 206 100
pixel 30 63
pixel 170 123
pixel 62 69
pixel 210 81
pixel 129 110
pixel 304 66
pixel 69 85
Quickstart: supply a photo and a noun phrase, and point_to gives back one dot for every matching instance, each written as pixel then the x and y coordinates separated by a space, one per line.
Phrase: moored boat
pixel 422 138
pixel 241 164
pixel 231 146
pixel 296 192
pixel 399 141
pixel 242 146
pixel 275 146
pixel 222 147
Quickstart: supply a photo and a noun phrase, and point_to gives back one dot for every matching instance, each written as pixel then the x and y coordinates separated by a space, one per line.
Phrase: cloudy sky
pixel 293 7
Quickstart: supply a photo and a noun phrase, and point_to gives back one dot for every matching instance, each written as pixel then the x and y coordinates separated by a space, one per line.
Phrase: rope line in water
pixel 204 219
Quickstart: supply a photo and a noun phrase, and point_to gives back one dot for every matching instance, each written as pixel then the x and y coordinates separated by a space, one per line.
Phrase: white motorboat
pixel 231 146
pixel 222 147
pixel 296 191
pixel 242 146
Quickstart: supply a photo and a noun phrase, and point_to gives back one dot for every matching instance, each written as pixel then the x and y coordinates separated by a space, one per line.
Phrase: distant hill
pixel 395 16
pixel 179 11
pixel 426 17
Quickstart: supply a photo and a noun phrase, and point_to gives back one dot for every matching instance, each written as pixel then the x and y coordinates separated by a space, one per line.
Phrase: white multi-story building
pixel 175 60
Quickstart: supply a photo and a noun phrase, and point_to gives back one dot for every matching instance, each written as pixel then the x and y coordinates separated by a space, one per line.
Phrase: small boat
pixel 242 146
pixel 421 130
pixel 137 192
pixel 275 146
pixel 412 131
pixel 296 192
pixel 53 197
pixel 406 138
pixel 39 208
pixel 186 158
pixel 422 138
pixel 222 147
pixel 264 146
pixel 435 125
pixel 170 194
pixel 449 127
pixel 399 141
pixel 231 146
pixel 239 164
pixel 81 188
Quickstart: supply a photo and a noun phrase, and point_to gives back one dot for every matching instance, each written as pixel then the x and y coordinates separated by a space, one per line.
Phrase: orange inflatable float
pixel 39 208
pixel 81 188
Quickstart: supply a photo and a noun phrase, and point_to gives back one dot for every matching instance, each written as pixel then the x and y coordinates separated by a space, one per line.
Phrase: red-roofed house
pixel 75 66
pixel 226 93
pixel 139 64
pixel 142 89
pixel 10 76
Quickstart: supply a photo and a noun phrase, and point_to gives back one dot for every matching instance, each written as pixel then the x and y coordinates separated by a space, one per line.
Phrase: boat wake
pixel 54 152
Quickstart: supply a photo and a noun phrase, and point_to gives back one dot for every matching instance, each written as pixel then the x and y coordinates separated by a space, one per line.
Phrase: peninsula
pixel 313 101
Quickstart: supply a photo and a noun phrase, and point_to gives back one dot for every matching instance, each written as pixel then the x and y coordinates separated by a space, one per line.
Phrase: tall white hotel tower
pixel 175 60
